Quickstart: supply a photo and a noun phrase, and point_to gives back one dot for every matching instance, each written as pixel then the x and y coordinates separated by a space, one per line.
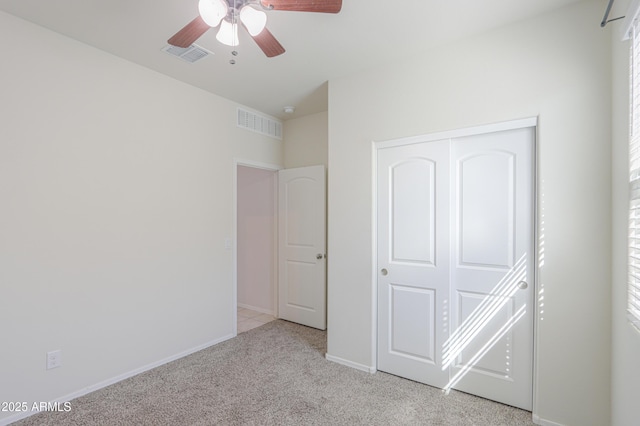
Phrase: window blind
pixel 634 179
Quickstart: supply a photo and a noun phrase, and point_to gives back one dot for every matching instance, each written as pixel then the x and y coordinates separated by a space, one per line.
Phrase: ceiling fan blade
pixel 268 43
pixel 190 33
pixel 325 6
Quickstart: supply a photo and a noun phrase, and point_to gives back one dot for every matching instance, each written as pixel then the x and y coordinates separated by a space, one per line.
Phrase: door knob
pixel 384 272
pixel 319 256
pixel 522 285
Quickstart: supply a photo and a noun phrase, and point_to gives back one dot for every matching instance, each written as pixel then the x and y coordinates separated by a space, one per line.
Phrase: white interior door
pixel 455 260
pixel 490 349
pixel 413 260
pixel 302 291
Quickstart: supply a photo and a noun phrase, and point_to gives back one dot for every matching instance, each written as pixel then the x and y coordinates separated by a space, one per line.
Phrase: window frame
pixel 633 253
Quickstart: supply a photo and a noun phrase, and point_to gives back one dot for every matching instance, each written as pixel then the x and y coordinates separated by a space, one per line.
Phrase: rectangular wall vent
pixel 259 123
pixel 190 54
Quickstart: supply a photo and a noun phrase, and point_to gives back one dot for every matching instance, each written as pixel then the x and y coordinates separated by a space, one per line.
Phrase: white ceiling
pixel 319 47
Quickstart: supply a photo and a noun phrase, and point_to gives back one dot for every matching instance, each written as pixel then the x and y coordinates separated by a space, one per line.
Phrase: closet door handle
pixel 384 272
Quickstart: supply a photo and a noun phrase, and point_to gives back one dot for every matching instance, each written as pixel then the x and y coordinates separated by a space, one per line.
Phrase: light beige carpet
pixel 275 375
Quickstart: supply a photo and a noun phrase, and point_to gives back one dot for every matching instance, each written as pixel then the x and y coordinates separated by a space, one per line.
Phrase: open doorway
pixel 256 245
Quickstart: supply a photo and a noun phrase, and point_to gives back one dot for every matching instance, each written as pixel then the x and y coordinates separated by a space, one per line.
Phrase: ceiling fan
pixel 251 14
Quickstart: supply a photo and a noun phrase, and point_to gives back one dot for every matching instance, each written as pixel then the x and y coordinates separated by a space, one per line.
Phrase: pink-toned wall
pixel 256 238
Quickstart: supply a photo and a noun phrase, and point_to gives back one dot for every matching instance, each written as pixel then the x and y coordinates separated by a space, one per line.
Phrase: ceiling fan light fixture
pixel 228 33
pixel 225 14
pixel 254 20
pixel 213 11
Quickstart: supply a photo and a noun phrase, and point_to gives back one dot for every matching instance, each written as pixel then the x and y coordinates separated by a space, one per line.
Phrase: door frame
pixel 537 236
pixel 234 246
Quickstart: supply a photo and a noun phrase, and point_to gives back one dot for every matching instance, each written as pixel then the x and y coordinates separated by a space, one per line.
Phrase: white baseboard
pixel 257 309
pixel 351 364
pixel 92 388
pixel 542 422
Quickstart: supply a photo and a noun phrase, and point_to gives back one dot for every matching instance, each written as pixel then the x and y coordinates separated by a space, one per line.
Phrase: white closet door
pixel 413 260
pixel 456 263
pixel 490 349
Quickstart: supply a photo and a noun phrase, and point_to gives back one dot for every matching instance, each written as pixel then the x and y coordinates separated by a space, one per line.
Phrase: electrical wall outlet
pixel 54 359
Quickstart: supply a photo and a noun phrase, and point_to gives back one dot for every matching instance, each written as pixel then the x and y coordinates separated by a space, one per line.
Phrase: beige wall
pixel 555 67
pixel 305 140
pixel 116 191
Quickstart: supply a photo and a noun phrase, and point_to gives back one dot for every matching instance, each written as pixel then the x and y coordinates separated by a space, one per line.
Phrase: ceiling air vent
pixel 259 123
pixel 191 54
